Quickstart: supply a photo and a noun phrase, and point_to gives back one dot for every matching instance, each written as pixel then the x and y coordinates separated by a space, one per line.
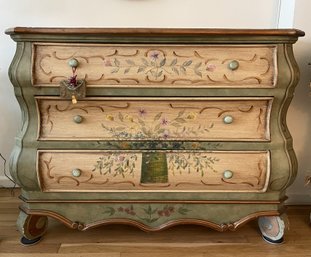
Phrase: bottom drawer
pixel 133 171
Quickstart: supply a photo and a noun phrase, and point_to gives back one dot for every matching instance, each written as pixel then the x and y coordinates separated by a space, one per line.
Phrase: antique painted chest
pixel 153 127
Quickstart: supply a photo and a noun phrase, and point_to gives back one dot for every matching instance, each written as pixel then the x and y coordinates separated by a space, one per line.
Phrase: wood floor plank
pixel 131 249
pixel 9 192
pixel 139 247
pixel 60 255
pixel 16 247
pixel 13 211
pixel 264 250
pixel 167 254
pixel 11 205
pixel 8 217
pixel 7 223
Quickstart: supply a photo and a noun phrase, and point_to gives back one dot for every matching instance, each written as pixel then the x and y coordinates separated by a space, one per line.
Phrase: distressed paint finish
pixel 224 210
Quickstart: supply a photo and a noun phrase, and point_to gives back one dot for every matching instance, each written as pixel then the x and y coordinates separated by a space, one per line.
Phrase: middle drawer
pixel 192 119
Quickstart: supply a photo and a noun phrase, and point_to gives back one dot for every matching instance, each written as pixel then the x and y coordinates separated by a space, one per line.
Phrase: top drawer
pixel 248 66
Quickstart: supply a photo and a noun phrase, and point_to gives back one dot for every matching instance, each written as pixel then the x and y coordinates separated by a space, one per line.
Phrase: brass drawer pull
pixel 233 65
pixel 227 174
pixel 76 173
pixel 78 119
pixel 228 119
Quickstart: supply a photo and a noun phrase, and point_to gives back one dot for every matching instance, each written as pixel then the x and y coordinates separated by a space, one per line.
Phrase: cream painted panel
pixel 153 171
pixel 155 119
pixel 157 66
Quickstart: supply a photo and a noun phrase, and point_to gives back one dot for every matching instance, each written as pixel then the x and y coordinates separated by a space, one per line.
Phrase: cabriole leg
pixel 272 229
pixel 32 227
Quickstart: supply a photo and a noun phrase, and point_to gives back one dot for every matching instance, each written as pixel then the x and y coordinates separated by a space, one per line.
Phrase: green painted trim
pixel 185 196
pixel 154 216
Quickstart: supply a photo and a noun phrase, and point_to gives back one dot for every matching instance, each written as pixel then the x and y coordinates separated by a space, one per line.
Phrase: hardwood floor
pixel 126 241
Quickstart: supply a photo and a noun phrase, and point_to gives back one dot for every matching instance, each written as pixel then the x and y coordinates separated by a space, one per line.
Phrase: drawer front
pixel 155 171
pixel 199 119
pixel 157 66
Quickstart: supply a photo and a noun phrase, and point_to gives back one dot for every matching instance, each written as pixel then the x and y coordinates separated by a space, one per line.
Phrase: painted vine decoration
pixel 135 126
pixel 122 165
pixel 148 214
pixel 116 165
pixel 191 162
pixel 167 65
pixel 155 66
pixel 49 167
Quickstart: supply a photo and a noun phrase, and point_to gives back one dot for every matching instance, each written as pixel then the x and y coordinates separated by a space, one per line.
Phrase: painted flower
pixel 191 116
pixel 107 62
pixel 195 145
pixel 164 122
pixel 142 112
pixel 133 128
pixel 171 209
pixel 110 117
pixel 121 158
pixel 130 118
pixel 73 81
pixel 166 134
pixel 167 213
pixel 154 56
pixel 139 135
pixel 160 213
pixel 210 67
pixel 125 145
pixel 120 209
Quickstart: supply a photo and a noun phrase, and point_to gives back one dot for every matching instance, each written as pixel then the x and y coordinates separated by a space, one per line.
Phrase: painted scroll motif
pixel 160 66
pixel 155 119
pixel 153 170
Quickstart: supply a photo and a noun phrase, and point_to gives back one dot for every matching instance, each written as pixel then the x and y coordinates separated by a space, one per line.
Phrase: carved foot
pixel 272 229
pixel 32 227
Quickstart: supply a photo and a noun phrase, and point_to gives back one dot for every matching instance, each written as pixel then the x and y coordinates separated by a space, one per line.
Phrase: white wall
pixel 299 115
pixel 157 13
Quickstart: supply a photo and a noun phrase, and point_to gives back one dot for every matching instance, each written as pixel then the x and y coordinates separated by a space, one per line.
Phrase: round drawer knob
pixel 78 119
pixel 73 63
pixel 233 65
pixel 76 172
pixel 227 174
pixel 228 119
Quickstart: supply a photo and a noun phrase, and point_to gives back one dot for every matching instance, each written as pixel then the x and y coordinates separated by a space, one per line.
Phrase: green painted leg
pixel 32 227
pixel 272 229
